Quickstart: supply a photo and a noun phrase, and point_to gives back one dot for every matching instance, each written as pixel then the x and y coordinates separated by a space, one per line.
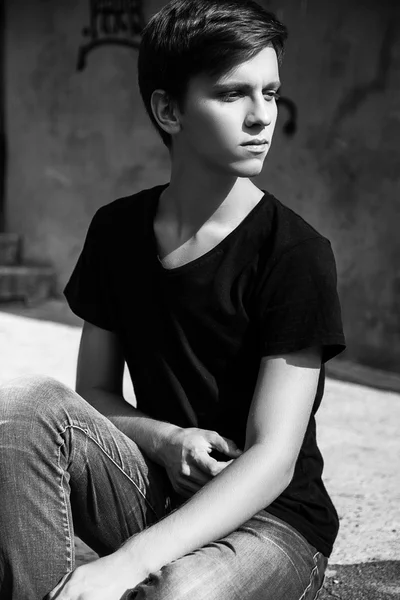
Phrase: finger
pixel 190 471
pixel 224 445
pixel 210 465
pixel 223 464
pixel 197 475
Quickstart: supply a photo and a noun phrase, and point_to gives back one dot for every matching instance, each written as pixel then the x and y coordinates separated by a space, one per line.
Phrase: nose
pixel 261 112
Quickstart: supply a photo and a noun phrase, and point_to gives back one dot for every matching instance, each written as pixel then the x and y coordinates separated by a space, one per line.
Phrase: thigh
pixel 265 559
pixel 115 489
pixel 75 466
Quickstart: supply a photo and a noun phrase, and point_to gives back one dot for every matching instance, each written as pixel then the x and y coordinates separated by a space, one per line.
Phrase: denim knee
pixel 29 397
pixel 171 584
pixel 178 581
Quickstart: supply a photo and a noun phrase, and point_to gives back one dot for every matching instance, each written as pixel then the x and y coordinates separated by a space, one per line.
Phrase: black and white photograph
pixel 199 300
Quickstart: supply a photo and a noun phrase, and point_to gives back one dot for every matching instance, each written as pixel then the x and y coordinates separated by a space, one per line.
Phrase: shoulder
pixel 125 212
pixel 291 251
pixel 290 228
pixel 287 232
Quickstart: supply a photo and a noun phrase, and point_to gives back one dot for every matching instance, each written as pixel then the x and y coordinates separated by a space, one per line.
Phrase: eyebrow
pixel 273 85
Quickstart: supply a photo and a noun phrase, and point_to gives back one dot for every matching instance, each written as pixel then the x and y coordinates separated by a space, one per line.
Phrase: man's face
pixel 221 115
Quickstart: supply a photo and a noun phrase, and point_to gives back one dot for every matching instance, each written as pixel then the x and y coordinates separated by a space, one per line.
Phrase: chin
pixel 249 168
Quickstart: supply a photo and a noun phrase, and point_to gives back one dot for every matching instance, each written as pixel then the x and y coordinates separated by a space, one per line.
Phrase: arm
pixel 184 453
pixel 276 426
pixel 99 380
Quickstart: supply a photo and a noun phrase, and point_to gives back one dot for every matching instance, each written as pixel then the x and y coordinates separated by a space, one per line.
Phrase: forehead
pixel 263 67
pixel 260 71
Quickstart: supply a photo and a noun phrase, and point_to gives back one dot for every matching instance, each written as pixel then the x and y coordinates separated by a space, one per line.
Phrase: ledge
pixel 363 375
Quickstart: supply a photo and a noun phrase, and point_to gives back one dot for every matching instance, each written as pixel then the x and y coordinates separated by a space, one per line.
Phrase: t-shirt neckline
pixel 215 251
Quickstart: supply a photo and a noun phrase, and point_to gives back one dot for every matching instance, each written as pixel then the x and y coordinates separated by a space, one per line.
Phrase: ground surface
pixel 358 435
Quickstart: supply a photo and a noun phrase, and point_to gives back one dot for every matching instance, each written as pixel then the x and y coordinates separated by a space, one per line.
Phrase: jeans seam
pixel 287 556
pixel 309 585
pixel 88 434
pixel 316 568
pixel 69 529
pixel 320 589
pixel 323 576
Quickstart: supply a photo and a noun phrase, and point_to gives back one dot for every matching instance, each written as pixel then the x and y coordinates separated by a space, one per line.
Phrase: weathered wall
pixel 341 171
pixel 79 140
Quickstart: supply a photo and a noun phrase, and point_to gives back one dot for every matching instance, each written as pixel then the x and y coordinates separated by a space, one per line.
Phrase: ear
pixel 165 112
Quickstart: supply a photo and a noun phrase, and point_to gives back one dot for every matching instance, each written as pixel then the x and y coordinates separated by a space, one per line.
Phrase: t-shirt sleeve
pixel 298 304
pixel 88 290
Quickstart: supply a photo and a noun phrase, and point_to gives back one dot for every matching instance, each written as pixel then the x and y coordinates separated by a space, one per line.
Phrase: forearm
pixel 249 484
pixel 149 434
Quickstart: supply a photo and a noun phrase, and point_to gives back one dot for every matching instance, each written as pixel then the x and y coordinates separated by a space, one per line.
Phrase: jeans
pixel 65 469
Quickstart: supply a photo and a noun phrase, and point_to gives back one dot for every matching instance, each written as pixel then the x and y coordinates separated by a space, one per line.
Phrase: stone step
pixel 30 283
pixel 10 248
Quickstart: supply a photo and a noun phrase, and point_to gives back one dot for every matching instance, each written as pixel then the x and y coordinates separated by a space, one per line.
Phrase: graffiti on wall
pixel 118 22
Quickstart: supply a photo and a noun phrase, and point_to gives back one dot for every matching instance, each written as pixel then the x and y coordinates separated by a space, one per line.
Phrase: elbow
pixel 84 391
pixel 279 463
pixel 283 478
pixel 287 474
pixel 79 385
pixel 85 388
pixel 80 388
pixel 284 466
pixel 287 463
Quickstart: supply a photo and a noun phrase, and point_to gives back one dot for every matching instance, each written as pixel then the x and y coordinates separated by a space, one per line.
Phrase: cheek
pixel 215 121
pixel 224 126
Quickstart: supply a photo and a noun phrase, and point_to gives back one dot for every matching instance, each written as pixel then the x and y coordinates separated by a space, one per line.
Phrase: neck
pixel 195 196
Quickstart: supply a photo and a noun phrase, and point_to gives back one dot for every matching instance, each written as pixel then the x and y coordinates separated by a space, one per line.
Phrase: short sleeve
pixel 88 289
pixel 297 303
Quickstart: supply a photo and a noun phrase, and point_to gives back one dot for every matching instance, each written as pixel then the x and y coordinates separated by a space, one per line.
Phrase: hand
pixel 186 457
pixel 107 578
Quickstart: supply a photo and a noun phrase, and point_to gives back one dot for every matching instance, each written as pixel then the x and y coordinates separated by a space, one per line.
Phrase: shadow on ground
pixel 55 310
pixel 58 311
pixel 367 581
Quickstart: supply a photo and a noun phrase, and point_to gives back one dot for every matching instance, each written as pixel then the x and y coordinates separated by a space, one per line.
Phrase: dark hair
pixel 189 37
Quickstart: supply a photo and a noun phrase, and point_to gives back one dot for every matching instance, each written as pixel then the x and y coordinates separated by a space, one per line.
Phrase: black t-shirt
pixel 193 336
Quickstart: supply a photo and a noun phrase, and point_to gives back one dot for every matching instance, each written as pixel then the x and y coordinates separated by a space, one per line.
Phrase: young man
pixel 223 303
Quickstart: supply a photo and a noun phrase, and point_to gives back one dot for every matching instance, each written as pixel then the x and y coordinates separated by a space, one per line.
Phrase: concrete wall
pixel 79 140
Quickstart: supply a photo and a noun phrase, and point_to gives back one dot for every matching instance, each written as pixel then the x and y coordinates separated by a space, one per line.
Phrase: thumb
pixel 224 445
pixel 211 466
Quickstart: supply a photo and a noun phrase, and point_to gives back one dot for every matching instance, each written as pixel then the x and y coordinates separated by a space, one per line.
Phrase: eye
pixel 233 95
pixel 230 96
pixel 272 95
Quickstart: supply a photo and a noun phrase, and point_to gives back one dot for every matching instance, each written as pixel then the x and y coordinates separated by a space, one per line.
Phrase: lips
pixel 257 142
